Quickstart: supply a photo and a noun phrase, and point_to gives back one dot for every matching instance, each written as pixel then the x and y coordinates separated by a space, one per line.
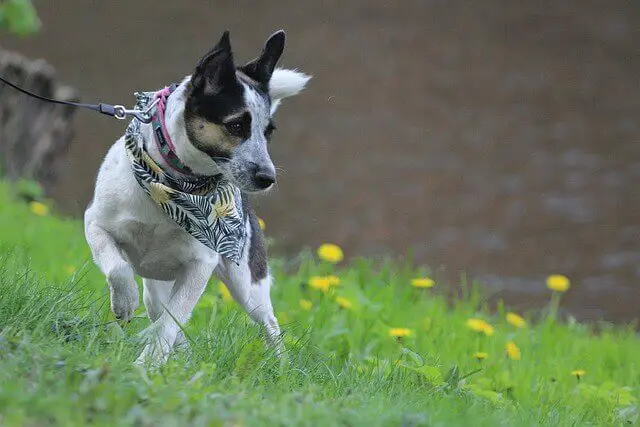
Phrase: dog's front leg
pixel 120 277
pixel 186 292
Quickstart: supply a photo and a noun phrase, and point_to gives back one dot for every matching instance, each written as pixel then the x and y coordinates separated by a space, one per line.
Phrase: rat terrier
pixel 170 200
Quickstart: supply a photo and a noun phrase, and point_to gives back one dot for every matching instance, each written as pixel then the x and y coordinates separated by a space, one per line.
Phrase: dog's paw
pixel 124 293
pixel 151 358
pixel 157 349
pixel 124 301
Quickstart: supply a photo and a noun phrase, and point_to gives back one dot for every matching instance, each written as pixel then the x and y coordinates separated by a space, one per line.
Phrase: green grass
pixel 64 361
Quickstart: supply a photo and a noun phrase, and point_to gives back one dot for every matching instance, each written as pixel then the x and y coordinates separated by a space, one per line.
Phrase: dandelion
pixel 330 252
pixel 39 209
pixel 333 280
pixel 480 355
pixel 422 282
pixel 400 332
pixel 305 304
pixel 344 303
pixel 578 373
pixel 224 293
pixel 319 283
pixel 513 352
pixel 558 283
pixel 323 283
pixel 515 320
pixel 261 224
pixel 479 325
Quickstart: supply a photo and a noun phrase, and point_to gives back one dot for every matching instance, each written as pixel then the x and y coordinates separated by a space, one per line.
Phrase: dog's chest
pixel 154 245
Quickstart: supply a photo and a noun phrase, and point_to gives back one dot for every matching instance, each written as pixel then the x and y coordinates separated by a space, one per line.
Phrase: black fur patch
pixel 214 107
pixel 257 248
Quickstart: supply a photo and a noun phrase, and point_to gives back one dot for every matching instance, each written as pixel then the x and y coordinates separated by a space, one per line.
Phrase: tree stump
pixel 34 134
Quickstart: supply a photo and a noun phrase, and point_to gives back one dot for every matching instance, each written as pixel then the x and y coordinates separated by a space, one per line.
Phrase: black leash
pixel 117 111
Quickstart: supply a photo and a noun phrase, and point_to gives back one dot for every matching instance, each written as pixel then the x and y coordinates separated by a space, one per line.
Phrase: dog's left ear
pixel 261 68
pixel 281 83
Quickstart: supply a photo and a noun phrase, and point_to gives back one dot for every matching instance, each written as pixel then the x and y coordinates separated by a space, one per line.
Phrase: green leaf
pixel 489 395
pixel 19 17
pixel 29 190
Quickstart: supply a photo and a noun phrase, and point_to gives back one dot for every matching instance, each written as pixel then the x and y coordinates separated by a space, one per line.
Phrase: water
pixel 499 138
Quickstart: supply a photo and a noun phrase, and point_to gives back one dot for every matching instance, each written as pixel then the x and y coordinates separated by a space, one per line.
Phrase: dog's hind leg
pixel 187 289
pixel 120 277
pixel 250 283
pixel 156 294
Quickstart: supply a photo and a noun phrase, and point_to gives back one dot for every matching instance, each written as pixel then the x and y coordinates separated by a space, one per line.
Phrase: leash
pixel 117 111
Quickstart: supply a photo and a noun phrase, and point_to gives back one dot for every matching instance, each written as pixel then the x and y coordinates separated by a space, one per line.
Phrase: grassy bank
pixel 367 345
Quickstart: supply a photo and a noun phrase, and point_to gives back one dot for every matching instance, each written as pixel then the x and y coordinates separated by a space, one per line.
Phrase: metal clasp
pixel 144 116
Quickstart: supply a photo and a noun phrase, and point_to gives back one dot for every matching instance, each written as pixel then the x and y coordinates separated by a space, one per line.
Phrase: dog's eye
pixel 235 128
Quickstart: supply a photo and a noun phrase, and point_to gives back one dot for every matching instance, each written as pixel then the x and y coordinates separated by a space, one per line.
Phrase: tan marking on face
pixel 213 135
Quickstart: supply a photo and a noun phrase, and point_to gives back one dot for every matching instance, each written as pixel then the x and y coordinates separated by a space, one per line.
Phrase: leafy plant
pixel 19 17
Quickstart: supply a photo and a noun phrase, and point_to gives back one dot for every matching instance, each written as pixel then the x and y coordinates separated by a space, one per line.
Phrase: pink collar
pixel 163 140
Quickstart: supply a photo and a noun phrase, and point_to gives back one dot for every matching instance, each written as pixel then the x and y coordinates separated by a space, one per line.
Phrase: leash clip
pixel 144 116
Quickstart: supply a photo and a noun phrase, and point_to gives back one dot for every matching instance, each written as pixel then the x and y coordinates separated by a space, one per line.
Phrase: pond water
pixel 500 139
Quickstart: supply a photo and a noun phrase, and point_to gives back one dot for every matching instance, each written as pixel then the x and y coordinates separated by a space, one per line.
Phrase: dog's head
pixel 228 112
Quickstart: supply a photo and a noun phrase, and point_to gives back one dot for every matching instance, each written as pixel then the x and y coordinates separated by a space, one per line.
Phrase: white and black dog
pixel 215 123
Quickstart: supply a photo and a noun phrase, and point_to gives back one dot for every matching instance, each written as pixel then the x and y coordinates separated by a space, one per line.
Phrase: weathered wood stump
pixel 34 135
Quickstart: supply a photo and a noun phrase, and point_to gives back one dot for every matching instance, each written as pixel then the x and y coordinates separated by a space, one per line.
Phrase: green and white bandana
pixel 207 207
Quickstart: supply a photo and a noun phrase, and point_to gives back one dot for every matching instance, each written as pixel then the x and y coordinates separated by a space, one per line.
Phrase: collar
pixel 163 140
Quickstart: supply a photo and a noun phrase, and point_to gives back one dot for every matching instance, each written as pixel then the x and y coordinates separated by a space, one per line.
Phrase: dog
pixel 213 134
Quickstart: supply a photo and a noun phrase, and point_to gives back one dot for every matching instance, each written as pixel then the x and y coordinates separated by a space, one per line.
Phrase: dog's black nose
pixel 264 178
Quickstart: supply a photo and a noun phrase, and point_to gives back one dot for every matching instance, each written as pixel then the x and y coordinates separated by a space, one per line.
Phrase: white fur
pixel 129 234
pixel 285 83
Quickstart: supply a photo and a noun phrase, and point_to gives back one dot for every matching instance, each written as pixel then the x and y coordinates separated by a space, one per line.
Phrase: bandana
pixel 207 207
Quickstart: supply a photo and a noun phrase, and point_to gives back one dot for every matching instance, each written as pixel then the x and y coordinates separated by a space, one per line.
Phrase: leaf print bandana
pixel 207 207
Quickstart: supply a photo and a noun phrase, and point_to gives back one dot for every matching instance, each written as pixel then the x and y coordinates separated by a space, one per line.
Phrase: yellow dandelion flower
pixel 319 283
pixel 344 303
pixel 578 373
pixel 224 293
pixel 333 280
pixel 513 352
pixel 261 224
pixel 480 355
pixel 330 252
pixel 515 320
pixel 479 325
pixel 39 209
pixel 306 305
pixel 422 282
pixel 558 283
pixel 400 332
pixel 69 269
pixel 323 283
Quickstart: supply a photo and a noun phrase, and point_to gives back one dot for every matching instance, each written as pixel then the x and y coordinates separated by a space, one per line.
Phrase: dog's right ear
pixel 216 68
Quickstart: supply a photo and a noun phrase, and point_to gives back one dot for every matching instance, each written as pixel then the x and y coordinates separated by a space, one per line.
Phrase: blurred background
pixel 496 138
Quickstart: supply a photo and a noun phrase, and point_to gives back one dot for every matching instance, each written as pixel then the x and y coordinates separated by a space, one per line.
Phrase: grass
pixel 64 361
